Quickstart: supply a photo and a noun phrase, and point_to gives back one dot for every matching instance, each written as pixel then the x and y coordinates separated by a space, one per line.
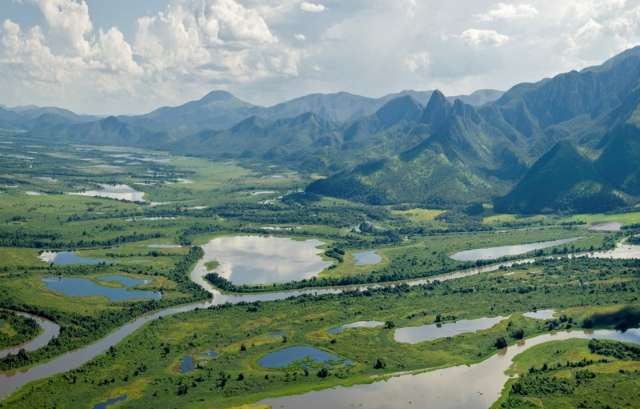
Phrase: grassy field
pixel 147 363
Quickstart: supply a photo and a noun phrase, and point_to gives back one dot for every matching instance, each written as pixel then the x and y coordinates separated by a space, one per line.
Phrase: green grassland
pixel 147 362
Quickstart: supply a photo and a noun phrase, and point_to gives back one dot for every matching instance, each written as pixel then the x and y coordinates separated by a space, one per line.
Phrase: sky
pixel 131 56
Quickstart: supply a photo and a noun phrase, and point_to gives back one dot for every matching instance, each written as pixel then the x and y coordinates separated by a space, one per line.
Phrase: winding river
pixel 9 383
pixel 50 330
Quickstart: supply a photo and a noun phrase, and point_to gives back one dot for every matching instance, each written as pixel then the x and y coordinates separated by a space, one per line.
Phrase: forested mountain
pixel 417 147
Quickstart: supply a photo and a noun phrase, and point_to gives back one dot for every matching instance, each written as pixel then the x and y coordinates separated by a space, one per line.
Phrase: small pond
pixel 65 258
pixel 210 354
pixel 187 364
pixel 367 258
pixel 118 192
pixel 606 226
pixel 493 253
pixel 288 356
pixel 264 259
pixel 541 314
pixel 83 287
pixel 109 402
pixel 414 335
pixel 359 324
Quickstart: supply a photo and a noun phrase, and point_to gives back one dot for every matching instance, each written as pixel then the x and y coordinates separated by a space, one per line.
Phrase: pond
pixel 210 354
pixel 187 364
pixel 367 258
pixel 83 287
pixel 541 314
pixel 65 258
pixel 606 226
pixel 264 259
pixel 360 324
pixel 414 335
pixel 118 192
pixel 288 356
pixel 48 331
pixel 110 402
pixel 475 386
pixel 493 253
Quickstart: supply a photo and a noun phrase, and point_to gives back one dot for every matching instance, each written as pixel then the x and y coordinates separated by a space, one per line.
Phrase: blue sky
pixel 131 56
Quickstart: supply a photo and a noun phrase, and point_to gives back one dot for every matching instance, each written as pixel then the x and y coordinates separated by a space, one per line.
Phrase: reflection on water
pixel 493 253
pixel 541 314
pixel 64 258
pixel 265 260
pixel 367 258
pixel 606 226
pixel 288 356
pixel 359 324
pixel 118 192
pixel 49 331
pixel 470 387
pixel 82 287
pixel 414 335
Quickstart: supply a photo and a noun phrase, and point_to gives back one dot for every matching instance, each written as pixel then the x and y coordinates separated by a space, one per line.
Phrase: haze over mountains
pixel 568 143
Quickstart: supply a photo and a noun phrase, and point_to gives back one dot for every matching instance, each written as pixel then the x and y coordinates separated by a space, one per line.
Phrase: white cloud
pixel 300 37
pixel 504 11
pixel 476 37
pixel 312 7
pixel 417 62
pixel 69 19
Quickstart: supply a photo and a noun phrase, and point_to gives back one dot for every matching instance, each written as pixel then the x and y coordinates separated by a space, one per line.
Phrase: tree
pixel 379 364
pixel 501 343
pixel 323 373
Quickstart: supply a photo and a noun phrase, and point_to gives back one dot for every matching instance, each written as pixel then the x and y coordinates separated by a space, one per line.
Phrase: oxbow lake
pixel 494 253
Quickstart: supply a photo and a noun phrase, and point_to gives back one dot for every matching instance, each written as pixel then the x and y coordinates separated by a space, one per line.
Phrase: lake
pixel 493 253
pixel 288 356
pixel 475 386
pixel 414 335
pixel 118 192
pixel 264 259
pixel 83 287
pixel 541 314
pixel 359 324
pixel 64 258
pixel 366 258
pixel 606 226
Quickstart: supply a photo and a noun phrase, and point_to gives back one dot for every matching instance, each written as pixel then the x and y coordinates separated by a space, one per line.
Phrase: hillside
pixel 561 180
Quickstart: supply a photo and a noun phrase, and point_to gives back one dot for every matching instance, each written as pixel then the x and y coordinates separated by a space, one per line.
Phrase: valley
pixel 331 250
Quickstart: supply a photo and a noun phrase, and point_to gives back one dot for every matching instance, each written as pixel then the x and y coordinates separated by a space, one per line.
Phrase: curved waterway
pixel 9 383
pixel 477 386
pixel 50 330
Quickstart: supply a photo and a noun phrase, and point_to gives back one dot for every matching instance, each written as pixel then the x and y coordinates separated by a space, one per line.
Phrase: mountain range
pixel 567 143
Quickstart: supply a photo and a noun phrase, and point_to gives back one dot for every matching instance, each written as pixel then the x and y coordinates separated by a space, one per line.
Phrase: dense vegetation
pixel 15 329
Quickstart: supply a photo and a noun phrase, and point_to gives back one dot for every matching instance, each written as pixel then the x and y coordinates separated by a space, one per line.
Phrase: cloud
pixel 476 37
pixel 417 62
pixel 69 19
pixel 300 37
pixel 312 7
pixel 503 11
